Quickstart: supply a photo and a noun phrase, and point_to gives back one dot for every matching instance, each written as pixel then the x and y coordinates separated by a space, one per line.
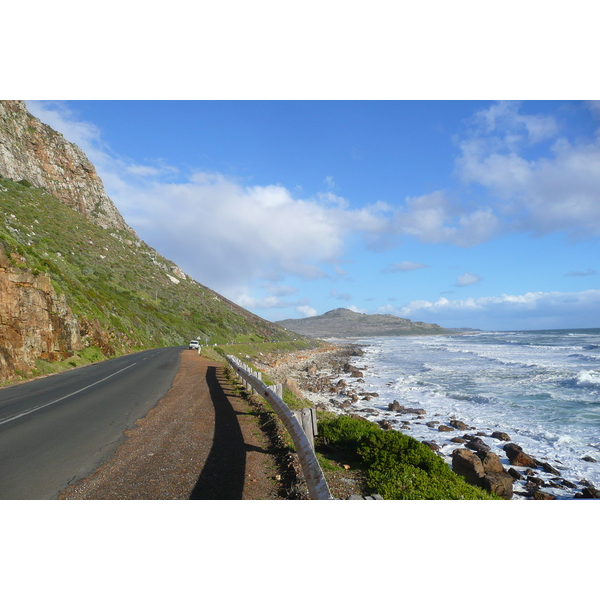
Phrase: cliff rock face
pixel 31 150
pixel 34 322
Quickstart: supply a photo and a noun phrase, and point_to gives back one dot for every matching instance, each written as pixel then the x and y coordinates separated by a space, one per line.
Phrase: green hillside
pixel 111 277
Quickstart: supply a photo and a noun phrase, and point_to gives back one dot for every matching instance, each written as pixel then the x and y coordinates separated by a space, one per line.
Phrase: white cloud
pixel 558 191
pixel 467 279
pixel 356 309
pixel 432 218
pixel 533 310
pixel 306 311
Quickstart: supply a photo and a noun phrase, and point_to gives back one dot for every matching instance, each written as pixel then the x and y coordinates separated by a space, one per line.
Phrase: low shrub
pixel 397 466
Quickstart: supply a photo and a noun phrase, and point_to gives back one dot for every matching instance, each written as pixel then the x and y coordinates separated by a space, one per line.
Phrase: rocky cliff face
pixel 33 151
pixel 35 323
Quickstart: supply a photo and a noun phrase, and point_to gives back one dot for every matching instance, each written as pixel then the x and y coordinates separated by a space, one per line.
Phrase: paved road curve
pixel 58 429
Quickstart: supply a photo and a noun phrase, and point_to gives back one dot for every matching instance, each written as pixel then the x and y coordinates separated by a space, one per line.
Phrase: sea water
pixel 542 388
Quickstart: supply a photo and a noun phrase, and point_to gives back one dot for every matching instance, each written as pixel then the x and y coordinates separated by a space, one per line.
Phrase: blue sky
pixel 480 214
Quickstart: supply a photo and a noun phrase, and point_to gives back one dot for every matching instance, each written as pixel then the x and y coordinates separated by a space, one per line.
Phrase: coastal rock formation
pixel 483 469
pixel 33 151
pixel 35 322
pixel 517 457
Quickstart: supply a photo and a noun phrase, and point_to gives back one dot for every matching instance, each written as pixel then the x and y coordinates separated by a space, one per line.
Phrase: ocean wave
pixel 588 379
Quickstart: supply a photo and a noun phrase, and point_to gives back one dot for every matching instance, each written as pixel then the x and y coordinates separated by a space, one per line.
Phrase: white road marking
pixel 28 412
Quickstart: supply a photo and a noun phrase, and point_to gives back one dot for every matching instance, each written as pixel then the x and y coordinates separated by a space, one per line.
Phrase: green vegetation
pixel 397 466
pixel 113 279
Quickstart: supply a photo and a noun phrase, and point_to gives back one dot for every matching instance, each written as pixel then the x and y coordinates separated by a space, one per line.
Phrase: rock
pixel 499 435
pixel 517 457
pixel 35 323
pixel 431 424
pixel 458 424
pixel 384 424
pixel 515 474
pixel 589 459
pixel 415 411
pixel 535 480
pixel 432 445
pixel 548 468
pixel 457 440
pixel 468 465
pixel 476 444
pixel 500 484
pixel 396 406
pixel 488 473
pixel 445 428
pixel 590 492
pixel 356 374
pixel 490 461
pixel 566 483
pixel 542 496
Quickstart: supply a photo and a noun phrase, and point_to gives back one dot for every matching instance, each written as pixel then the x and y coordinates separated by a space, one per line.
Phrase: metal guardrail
pixel 315 480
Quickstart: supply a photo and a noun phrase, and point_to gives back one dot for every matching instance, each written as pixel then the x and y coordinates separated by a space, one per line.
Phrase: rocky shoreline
pixel 330 378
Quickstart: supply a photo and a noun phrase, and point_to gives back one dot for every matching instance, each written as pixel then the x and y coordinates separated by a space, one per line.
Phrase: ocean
pixel 542 388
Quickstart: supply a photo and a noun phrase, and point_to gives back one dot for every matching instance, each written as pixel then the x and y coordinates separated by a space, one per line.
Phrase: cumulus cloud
pixel 433 219
pixel 533 310
pixel 467 279
pixel 557 191
pixel 306 311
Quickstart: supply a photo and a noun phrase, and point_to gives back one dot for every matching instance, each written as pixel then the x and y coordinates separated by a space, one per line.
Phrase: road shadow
pixel 222 477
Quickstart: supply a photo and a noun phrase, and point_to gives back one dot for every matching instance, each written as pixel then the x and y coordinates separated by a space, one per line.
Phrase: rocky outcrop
pixel 34 322
pixel 517 457
pixel 33 151
pixel 484 470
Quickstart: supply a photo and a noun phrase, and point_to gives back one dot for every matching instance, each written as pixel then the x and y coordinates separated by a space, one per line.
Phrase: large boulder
pixel 500 484
pixel 517 457
pixel 468 465
pixel 484 470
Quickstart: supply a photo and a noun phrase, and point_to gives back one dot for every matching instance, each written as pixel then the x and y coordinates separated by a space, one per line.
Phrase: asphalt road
pixel 59 429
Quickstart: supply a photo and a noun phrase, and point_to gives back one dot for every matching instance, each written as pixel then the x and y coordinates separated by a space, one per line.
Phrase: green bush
pixel 397 466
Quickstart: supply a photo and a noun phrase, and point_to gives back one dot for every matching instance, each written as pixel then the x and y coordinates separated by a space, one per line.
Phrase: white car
pixel 194 345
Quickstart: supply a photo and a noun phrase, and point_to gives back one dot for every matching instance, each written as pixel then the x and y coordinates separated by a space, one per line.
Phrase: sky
pixel 482 214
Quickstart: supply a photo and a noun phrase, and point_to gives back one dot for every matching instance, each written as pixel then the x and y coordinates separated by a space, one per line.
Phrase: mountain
pixel 75 280
pixel 344 323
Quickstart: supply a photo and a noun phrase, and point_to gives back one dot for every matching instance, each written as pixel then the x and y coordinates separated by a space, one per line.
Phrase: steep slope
pixel 33 151
pixel 344 323
pixel 76 280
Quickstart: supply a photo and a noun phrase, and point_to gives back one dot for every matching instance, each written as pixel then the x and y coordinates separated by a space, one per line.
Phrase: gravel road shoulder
pixel 201 441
